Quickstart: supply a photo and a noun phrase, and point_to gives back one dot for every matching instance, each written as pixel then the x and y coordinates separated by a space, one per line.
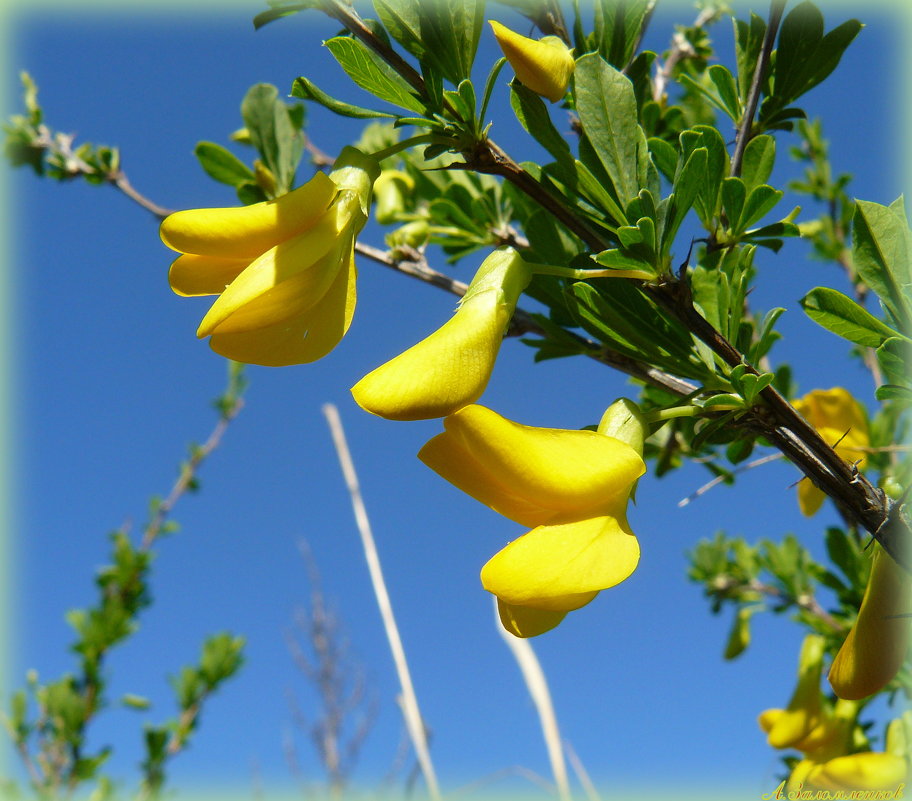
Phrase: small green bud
pixel 623 420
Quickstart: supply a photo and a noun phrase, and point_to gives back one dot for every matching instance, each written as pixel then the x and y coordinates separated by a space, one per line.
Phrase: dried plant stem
pixel 581 773
pixel 538 688
pixel 410 709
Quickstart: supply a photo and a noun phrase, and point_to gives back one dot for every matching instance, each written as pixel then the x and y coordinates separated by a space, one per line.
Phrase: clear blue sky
pixel 110 384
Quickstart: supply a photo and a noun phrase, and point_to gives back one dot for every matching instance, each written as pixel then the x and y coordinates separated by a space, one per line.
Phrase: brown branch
pixel 753 96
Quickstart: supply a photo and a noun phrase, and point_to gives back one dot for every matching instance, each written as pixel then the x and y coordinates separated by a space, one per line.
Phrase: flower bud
pixel 544 66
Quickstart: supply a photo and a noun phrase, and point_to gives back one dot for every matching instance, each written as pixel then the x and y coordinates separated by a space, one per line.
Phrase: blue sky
pixel 109 384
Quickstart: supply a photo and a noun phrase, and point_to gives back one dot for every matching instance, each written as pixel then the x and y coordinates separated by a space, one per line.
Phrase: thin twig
pixel 772 457
pixel 188 474
pixel 807 602
pixel 777 7
pixel 537 685
pixel 411 712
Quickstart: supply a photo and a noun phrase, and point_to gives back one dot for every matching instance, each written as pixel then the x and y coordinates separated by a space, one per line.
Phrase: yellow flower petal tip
pixel 450 368
pixel 878 642
pixel 572 487
pixel 543 65
pixel 525 621
pixel 840 421
pixel 283 269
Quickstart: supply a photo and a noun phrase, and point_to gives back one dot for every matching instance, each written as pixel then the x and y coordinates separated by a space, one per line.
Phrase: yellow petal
pixel 447 370
pixel 810 497
pixel 841 423
pixel 446 455
pixel 565 471
pixel 562 567
pixel 833 408
pixel 544 66
pixel 804 711
pixel 299 340
pixel 248 231
pixel 281 283
pixel 865 771
pixel 192 275
pixel 524 621
pixel 451 368
pixel 767 719
pixel 877 644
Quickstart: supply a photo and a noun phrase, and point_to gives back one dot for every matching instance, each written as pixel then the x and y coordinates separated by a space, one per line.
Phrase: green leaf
pixel 373 74
pixel 606 106
pixel 222 165
pixel 895 359
pixel 759 158
pixel 308 90
pixel 760 201
pixel 804 56
pixel 894 392
pixel 664 155
pixel 617 29
pixel 881 253
pixel 733 196
pixel 724 82
pixel 272 133
pixel 748 42
pixel 532 113
pixel 688 183
pixel 766 335
pixel 272 14
pixel 845 318
pixel 717 163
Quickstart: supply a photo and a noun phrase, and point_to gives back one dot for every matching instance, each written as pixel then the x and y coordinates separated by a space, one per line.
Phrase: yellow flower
pixel 840 421
pixel 827 762
pixel 572 487
pixel 877 644
pixel 450 368
pixel 283 269
pixel 786 728
pixel 544 66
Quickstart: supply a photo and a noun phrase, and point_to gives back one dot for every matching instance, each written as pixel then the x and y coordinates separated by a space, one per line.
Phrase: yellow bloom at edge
pixel 450 368
pixel 827 762
pixel 878 642
pixel 571 487
pixel 283 269
pixel 840 421
pixel 543 65
pixel 786 728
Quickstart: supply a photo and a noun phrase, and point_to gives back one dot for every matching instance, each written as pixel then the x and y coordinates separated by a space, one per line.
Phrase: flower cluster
pixel 571 487
pixel 835 755
pixel 283 269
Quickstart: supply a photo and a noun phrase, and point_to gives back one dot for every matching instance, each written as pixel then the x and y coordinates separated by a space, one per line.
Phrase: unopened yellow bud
pixel 544 66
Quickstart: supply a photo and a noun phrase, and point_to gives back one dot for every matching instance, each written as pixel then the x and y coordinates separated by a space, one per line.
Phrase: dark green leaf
pixel 733 196
pixel 533 114
pixel 759 158
pixel 664 155
pixel 617 28
pixel 724 82
pixel 449 30
pixel 606 106
pixel 748 42
pixel 271 133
